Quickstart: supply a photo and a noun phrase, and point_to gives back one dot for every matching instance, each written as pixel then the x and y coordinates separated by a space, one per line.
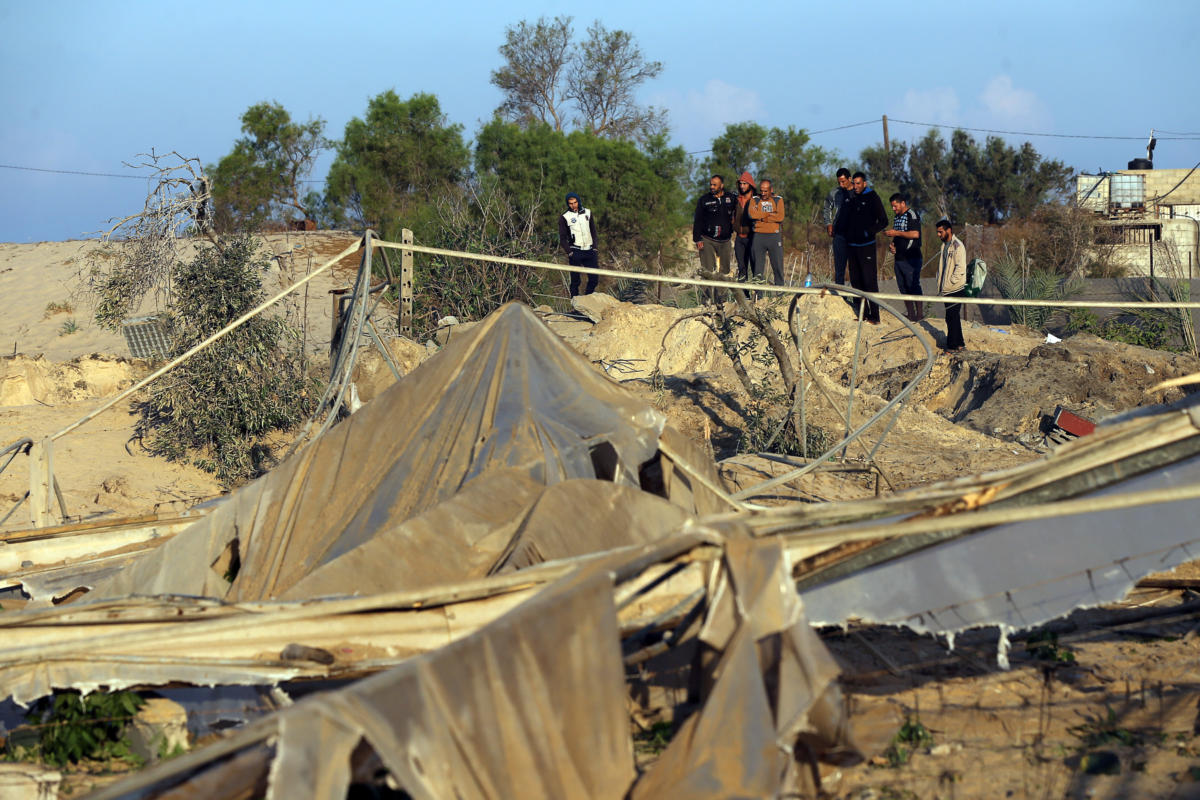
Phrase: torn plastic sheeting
pixel 508 393
pixel 577 517
pixel 531 706
pixel 1022 575
pixel 47 650
pixel 534 705
pixel 500 521
pixel 774 701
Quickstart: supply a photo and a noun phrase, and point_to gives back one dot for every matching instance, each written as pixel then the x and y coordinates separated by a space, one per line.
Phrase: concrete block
pixel 160 728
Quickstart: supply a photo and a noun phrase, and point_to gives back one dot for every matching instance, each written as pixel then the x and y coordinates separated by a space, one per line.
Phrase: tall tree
pixel 390 161
pixel 535 64
pixel 549 78
pixel 608 67
pixel 968 181
pixel 637 194
pixel 262 177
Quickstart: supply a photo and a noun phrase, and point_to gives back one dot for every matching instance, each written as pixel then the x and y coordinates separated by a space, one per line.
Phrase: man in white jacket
pixel 577 238
pixel 952 282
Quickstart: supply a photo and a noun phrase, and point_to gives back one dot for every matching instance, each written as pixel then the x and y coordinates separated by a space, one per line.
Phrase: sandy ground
pixel 59 365
pixel 1116 691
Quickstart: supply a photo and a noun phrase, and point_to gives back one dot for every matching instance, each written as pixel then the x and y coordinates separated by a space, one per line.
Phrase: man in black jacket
pixel 862 218
pixel 712 227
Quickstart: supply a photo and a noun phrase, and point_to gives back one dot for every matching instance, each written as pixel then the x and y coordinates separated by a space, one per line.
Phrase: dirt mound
pixel 1009 396
pixel 25 381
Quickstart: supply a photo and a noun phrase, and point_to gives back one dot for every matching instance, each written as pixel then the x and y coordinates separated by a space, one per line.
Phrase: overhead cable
pixel 1032 133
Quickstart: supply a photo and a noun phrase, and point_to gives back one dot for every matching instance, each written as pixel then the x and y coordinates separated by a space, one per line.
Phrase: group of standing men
pixel 747 227
pixel 854 216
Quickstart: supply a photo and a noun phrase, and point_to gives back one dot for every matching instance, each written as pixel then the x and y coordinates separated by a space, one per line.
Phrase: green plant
pixel 68 327
pixel 261 178
pixel 912 736
pixel 1147 329
pixel 653 740
pixel 1105 730
pixel 1044 646
pixel 1152 328
pixel 480 219
pixel 1081 319
pixel 76 727
pixel 218 406
pixel 166 751
pixel 1015 279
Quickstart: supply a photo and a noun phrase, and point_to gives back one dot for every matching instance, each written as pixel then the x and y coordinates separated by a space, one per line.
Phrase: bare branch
pixel 602 80
pixel 138 252
pixel 535 57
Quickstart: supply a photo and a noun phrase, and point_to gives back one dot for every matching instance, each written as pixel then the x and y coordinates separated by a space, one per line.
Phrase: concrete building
pixel 1153 214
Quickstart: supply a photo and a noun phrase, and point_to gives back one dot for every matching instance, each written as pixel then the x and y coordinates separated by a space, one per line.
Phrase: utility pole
pixel 887 147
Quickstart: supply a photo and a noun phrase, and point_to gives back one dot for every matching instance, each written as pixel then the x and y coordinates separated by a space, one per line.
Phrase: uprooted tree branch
pixel 138 253
pixel 218 408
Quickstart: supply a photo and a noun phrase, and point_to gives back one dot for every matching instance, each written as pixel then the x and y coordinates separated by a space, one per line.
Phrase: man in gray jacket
pixel 833 206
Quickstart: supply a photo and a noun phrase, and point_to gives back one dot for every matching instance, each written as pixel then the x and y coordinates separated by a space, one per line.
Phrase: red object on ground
pixel 1073 424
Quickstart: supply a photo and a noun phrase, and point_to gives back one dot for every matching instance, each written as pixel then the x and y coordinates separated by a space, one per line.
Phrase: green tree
pixel 795 168
pixel 968 181
pixel 218 406
pixel 636 194
pixel 390 163
pixel 547 78
pixel 262 177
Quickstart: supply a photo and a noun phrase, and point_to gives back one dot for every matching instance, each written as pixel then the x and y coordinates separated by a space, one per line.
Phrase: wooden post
pixel 41 483
pixel 887 147
pixel 406 284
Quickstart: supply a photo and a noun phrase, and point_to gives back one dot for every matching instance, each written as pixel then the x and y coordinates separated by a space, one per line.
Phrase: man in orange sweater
pixel 766 209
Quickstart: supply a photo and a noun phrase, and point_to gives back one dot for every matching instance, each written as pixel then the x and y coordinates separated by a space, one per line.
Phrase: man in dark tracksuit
pixel 862 218
pixel 577 238
pixel 712 227
pixel 833 207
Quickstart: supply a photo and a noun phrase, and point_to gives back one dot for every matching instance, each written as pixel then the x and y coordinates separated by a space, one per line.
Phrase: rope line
pixel 771 288
pixel 522 262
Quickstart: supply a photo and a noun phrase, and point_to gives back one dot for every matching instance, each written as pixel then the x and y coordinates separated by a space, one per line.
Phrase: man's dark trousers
pixel 954 337
pixel 864 276
pixel 583 258
pixel 743 251
pixel 839 258
pixel 908 275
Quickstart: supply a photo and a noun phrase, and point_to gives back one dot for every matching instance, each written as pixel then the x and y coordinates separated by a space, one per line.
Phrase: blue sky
pixel 89 85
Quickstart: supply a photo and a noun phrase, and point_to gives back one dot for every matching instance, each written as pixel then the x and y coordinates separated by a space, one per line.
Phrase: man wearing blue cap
pixel 577 238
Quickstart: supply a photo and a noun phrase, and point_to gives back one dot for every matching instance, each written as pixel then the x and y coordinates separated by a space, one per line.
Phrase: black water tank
pixel 1141 163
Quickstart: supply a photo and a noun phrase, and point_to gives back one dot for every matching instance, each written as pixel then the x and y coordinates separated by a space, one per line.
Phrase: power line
pixel 810 133
pixel 843 127
pixel 1051 135
pixel 1175 136
pixel 74 172
pixel 96 174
